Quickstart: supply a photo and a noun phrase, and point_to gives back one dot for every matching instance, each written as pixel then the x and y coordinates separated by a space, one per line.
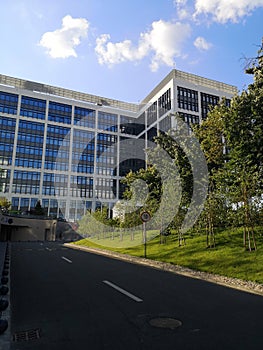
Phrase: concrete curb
pixel 245 286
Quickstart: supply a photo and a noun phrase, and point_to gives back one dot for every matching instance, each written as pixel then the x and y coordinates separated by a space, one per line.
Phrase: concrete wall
pixel 14 228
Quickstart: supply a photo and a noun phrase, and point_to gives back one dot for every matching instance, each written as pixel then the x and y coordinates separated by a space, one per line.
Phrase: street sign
pixel 145 216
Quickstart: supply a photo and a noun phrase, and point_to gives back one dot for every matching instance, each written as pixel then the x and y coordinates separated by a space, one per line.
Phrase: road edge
pixel 234 283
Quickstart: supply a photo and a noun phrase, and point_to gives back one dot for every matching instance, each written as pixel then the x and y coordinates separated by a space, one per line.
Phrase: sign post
pixel 145 216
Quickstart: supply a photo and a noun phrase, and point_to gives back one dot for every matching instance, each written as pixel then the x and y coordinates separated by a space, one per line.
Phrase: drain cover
pixel 165 322
pixel 31 334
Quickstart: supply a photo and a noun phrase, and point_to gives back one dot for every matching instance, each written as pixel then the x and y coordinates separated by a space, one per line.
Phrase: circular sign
pixel 145 216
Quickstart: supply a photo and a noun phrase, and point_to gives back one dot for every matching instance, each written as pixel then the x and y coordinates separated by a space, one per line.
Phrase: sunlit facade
pixel 70 149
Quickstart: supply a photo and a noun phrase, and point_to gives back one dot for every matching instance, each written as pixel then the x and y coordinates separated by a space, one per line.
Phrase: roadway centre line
pixel 123 291
pixel 48 249
pixel 69 261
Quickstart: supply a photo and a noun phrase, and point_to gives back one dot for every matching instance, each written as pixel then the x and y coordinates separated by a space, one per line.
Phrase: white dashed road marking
pixel 69 261
pixel 123 291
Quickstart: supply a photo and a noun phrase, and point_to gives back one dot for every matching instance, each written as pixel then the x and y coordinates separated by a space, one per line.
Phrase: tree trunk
pixel 210 234
pixel 248 223
pixel 181 239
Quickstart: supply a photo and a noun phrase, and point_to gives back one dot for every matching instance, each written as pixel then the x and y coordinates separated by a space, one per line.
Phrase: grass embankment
pixel 228 258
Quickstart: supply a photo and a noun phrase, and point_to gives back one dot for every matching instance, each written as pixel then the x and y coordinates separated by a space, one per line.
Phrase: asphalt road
pixel 78 300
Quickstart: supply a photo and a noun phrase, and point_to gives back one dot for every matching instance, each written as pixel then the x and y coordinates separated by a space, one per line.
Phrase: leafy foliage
pixel 232 141
pixel 5 204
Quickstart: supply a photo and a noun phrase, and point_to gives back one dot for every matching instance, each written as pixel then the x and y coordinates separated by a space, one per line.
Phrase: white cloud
pixel 110 53
pixel 183 10
pixel 61 43
pixel 223 11
pixel 201 44
pixel 164 41
pixel 180 2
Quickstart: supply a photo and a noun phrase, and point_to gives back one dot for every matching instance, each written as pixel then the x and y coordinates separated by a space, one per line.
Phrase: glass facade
pixel 59 112
pixel 152 113
pixel 131 126
pixel 33 107
pixel 4 180
pixel 26 182
pixel 190 118
pixel 71 153
pixel 187 99
pixel 164 103
pixel 57 148
pixel 7 136
pixel 151 134
pixel 55 184
pixel 165 124
pixel 207 101
pixel 84 117
pixel 106 154
pixel 8 103
pixel 83 151
pixel 29 147
pixel 81 186
pixel 107 121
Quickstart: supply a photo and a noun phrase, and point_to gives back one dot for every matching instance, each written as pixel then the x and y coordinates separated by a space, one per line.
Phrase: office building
pixel 70 149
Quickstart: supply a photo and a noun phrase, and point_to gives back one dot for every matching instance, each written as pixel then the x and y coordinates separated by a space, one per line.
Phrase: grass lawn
pixel 228 258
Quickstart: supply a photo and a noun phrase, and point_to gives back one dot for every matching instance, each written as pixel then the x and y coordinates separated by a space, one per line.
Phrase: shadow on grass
pixel 228 258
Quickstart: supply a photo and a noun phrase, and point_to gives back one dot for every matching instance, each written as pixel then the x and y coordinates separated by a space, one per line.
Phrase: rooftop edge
pixel 66 93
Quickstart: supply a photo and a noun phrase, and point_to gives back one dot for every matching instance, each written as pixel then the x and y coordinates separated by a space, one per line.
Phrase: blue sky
pixel 121 49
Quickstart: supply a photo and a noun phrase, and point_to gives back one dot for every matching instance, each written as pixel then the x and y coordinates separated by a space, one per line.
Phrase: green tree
pixel 169 180
pixel 38 210
pixel 232 141
pixel 211 135
pixel 149 197
pixel 4 204
pixel 244 136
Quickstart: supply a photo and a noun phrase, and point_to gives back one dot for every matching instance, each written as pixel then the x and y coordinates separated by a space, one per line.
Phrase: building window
pixel 4 180
pixel 15 203
pixel 165 124
pixel 189 119
pixel 24 204
pixel 57 148
pixel 151 134
pixel 151 114
pixel 53 207
pixel 7 135
pixel 59 112
pixel 8 103
pixel 107 121
pixel 83 149
pixel 207 102
pixel 164 103
pixel 130 125
pixel 105 188
pixel 26 182
pixel 84 117
pixel 187 99
pixel 55 184
pixel 29 144
pixel 33 107
pixel 81 186
pixel 227 102
pixel 7 123
pixel 106 154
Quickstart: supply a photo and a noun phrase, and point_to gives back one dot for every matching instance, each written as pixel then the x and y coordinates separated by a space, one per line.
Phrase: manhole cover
pixel 165 322
pixel 32 334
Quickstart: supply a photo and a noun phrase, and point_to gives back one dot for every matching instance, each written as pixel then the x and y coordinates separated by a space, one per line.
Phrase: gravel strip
pixel 247 286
